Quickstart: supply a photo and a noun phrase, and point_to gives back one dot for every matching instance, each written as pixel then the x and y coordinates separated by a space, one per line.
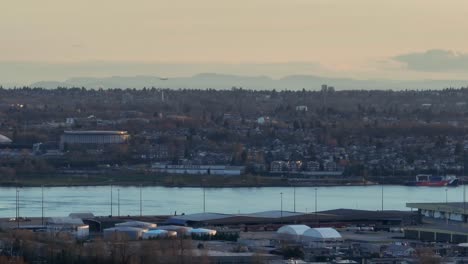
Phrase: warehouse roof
pixel 95 132
pixel 274 214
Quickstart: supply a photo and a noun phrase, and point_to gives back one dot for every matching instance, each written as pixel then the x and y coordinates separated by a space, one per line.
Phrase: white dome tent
pixel 292 232
pixel 5 140
pixel 321 235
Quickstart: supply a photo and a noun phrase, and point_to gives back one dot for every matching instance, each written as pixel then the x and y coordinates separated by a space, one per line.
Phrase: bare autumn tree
pixel 97 251
pixel 11 260
pixel 122 251
pixel 427 256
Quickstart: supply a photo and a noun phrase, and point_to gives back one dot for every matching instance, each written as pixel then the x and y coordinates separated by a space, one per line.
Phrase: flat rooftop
pixel 95 132
pixel 452 207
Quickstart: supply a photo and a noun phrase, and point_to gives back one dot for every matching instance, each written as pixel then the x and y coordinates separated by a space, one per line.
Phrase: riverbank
pixel 146 179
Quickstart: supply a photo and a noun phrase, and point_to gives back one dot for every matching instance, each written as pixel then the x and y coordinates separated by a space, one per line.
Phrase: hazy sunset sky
pixel 351 38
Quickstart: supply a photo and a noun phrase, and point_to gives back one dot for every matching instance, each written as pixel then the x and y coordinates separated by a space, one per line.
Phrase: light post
pixel 446 195
pixel 316 200
pixel 204 196
pixel 111 198
pixel 118 202
pixel 141 202
pixel 17 207
pixel 464 189
pixel 316 216
pixel 447 214
pixel 382 192
pixel 294 198
pixel 42 205
pixel 464 198
pixel 281 204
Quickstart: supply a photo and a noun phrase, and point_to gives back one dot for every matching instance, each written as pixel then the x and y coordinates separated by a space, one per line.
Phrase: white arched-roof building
pixel 319 236
pixel 4 140
pixel 292 232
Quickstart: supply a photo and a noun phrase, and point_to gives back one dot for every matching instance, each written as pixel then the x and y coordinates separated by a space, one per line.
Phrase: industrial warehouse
pixel 95 137
pixel 262 234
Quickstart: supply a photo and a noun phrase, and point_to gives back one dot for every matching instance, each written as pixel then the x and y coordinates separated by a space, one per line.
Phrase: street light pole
pixel 42 205
pixel 446 195
pixel 464 198
pixel 17 207
pixel 294 198
pixel 111 198
pixel 382 193
pixel 316 216
pixel 281 206
pixel 204 199
pixel 447 214
pixel 141 203
pixel 118 202
pixel 316 200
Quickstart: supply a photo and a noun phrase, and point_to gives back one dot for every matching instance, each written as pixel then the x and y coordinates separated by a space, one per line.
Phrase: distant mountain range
pixel 221 81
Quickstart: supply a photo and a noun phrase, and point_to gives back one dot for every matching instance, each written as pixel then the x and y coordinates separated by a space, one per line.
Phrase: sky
pixel 364 39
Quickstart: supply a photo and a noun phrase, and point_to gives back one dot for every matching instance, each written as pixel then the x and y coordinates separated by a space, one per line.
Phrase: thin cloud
pixel 435 60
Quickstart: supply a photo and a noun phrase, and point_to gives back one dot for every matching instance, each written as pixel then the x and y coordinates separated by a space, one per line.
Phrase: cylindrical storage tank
pixel 202 232
pixel 180 230
pixel 123 233
pixel 138 224
pixel 155 234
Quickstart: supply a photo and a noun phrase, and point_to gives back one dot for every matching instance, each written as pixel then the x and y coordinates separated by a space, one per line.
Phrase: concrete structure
pixel 199 169
pixel 94 137
pixel 456 211
pixel 441 222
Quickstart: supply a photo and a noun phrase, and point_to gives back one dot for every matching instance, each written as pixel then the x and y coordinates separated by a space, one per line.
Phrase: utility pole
pixel 446 195
pixel 294 198
pixel 141 203
pixel 42 205
pixel 382 198
pixel 203 182
pixel 17 207
pixel 464 188
pixel 316 216
pixel 118 202
pixel 111 200
pixel 204 199
pixel 281 206
pixel 447 213
pixel 464 198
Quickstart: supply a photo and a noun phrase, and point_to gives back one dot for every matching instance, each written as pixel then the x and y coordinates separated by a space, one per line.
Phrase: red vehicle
pixel 434 181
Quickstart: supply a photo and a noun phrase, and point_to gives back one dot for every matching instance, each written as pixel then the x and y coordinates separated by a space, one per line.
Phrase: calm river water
pixel 60 201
